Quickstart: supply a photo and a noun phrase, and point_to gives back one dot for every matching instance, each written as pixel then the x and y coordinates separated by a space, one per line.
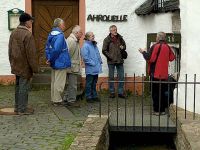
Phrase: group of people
pixel 64 57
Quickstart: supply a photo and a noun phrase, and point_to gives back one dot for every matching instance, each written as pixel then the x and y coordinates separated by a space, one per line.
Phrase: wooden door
pixel 45 12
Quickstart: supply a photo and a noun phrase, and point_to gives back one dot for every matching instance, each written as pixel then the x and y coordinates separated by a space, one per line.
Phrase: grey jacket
pixel 74 51
pixel 112 50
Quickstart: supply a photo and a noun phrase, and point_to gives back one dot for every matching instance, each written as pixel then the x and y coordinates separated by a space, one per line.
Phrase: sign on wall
pixel 107 18
pixel 13 18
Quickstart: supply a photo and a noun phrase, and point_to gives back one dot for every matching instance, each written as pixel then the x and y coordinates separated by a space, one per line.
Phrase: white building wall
pixel 190 53
pixel 6 5
pixel 134 30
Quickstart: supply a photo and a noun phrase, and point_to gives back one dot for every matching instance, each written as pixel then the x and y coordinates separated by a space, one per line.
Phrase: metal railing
pixel 136 111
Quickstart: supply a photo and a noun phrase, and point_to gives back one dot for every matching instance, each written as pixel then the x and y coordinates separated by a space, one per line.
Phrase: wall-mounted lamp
pixel 13 18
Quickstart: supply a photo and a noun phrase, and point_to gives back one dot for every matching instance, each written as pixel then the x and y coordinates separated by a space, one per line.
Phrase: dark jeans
pixel 158 95
pixel 120 72
pixel 21 93
pixel 90 87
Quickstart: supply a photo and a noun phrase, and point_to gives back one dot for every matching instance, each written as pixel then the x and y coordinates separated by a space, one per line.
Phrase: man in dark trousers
pixel 113 44
pixel 158 58
pixel 23 61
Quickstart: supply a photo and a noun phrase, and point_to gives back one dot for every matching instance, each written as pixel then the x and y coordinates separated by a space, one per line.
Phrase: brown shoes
pixel 74 104
pixel 58 104
pixel 28 111
pixel 121 96
pixel 112 95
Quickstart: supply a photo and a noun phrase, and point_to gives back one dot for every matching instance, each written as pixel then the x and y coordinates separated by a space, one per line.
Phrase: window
pixel 166 5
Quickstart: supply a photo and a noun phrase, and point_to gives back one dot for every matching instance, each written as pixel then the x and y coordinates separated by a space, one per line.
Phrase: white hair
pixel 161 36
pixel 87 35
pixel 76 29
pixel 57 22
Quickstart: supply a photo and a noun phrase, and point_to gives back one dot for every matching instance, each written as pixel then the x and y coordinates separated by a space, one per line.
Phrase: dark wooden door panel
pixel 45 12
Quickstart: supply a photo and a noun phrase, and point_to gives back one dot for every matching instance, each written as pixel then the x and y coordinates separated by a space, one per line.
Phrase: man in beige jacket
pixel 74 51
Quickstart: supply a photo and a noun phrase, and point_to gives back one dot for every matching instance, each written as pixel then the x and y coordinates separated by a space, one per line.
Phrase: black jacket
pixel 112 50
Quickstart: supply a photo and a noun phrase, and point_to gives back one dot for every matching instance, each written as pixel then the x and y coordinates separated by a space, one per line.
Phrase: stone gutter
pixel 93 135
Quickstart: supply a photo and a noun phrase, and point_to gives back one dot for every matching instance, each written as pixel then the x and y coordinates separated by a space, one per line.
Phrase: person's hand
pixel 48 62
pixel 142 50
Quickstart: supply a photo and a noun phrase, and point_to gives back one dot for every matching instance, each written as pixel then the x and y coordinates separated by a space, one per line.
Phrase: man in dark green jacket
pixel 113 44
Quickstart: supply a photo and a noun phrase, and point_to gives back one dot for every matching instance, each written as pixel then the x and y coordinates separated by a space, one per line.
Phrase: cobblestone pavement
pixel 48 127
pixel 45 130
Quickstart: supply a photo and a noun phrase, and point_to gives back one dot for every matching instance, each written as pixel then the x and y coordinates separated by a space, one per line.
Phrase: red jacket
pixel 159 69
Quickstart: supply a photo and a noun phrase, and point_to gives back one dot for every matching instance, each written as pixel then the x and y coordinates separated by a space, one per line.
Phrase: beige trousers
pixel 58 80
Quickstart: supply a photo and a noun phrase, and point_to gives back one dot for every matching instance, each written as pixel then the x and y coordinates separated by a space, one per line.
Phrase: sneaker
pixel 112 95
pixel 155 113
pixel 74 104
pixel 121 96
pixel 56 104
pixel 158 114
pixel 162 113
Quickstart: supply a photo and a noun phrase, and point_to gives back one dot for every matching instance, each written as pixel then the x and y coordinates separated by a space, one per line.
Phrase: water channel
pixel 141 141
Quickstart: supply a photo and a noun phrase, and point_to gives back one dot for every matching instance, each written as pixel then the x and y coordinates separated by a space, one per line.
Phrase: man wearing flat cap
pixel 23 61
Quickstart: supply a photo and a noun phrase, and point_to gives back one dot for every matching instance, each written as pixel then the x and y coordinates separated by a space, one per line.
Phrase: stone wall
pixel 188 130
pixel 93 135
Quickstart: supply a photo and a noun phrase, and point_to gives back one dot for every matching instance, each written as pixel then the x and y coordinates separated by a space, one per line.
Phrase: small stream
pixel 143 147
pixel 141 141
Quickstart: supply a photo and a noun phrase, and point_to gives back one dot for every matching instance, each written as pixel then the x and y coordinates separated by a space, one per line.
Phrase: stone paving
pixel 45 130
pixel 49 126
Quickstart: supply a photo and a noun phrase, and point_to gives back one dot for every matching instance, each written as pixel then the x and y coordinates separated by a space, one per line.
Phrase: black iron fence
pixel 137 110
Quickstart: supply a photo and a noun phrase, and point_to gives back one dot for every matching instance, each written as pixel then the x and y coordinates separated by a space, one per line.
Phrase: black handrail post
pixel 194 96
pixel 125 102
pixel 108 107
pixel 142 101
pixel 134 102
pixel 177 106
pixel 185 95
pixel 168 86
pixel 159 103
pixel 100 99
pixel 117 106
pixel 151 104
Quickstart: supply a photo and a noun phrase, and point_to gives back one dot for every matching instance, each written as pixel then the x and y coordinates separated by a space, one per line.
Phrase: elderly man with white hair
pixel 58 58
pixel 158 58
pixel 72 75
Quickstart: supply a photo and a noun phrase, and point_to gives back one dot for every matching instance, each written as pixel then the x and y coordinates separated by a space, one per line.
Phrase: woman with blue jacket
pixel 58 58
pixel 93 67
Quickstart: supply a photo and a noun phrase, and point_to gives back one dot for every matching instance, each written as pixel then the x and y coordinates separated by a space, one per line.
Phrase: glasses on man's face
pixel 92 36
pixel 80 33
